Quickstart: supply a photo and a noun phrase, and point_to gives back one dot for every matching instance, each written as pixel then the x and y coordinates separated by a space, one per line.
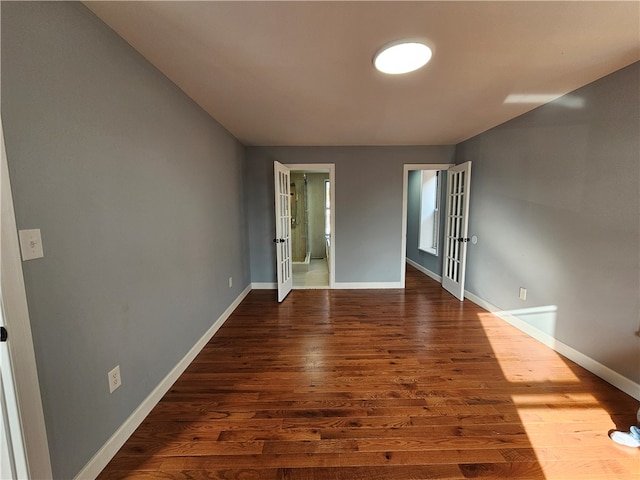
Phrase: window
pixel 429 211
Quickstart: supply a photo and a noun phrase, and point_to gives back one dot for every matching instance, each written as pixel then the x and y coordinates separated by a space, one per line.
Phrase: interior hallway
pixel 379 384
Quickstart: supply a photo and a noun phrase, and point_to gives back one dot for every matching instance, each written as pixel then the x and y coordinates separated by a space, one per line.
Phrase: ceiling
pixel 301 73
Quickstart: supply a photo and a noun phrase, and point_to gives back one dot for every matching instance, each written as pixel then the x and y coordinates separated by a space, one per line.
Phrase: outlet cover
pixel 30 244
pixel 523 293
pixel 114 379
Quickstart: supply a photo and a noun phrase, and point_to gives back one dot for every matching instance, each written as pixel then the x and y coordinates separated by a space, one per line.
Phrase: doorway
pixel 312 225
pixel 423 218
pixel 450 246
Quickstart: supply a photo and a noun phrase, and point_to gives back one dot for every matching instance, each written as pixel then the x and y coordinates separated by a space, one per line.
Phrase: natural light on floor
pixel 554 399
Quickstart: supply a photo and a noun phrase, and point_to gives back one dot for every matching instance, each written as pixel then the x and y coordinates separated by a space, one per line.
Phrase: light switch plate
pixel 31 244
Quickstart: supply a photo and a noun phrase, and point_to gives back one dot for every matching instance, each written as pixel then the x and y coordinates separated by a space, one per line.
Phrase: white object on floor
pixel 624 438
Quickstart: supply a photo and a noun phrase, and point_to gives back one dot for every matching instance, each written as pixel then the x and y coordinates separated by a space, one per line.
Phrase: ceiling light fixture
pixel 402 57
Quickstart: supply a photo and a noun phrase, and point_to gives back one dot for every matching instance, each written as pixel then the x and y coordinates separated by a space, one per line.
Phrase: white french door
pixel 457 227
pixel 283 229
pixel 13 461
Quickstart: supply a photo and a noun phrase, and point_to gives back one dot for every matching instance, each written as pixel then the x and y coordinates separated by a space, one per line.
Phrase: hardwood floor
pixel 379 384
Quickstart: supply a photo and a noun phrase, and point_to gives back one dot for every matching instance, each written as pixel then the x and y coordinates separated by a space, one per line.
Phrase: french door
pixel 13 462
pixel 457 228
pixel 283 229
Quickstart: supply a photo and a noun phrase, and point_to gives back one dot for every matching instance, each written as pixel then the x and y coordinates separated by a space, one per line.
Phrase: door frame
pixel 405 193
pixel 324 168
pixel 20 341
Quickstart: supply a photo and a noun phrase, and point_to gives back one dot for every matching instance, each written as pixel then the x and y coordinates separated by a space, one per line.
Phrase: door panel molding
pixel 282 240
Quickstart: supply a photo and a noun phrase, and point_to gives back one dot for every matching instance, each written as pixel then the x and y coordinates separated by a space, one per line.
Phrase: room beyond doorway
pixel 312 225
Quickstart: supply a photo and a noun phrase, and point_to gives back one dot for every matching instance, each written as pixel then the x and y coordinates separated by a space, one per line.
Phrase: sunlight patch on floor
pixel 564 422
pixel 517 358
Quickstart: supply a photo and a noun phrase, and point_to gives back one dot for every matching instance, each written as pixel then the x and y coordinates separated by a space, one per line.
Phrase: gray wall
pixel 555 206
pixel 138 194
pixel 431 262
pixel 368 210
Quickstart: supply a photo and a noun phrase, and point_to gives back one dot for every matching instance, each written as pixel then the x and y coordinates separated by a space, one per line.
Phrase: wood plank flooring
pixel 379 384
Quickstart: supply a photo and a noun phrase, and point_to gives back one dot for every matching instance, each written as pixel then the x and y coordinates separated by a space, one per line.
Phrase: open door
pixel 13 461
pixel 455 259
pixel 283 229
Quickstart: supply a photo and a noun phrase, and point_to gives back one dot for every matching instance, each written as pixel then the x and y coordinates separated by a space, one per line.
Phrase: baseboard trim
pixel 337 286
pixel 428 273
pixel 366 285
pixel 610 376
pixel 103 456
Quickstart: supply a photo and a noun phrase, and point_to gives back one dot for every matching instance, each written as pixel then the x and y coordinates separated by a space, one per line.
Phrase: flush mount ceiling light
pixel 402 57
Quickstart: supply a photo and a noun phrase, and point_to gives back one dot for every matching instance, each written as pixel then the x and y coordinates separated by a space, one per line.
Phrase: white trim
pixel 430 251
pixel 324 168
pixel 614 378
pixel 367 285
pixel 337 286
pixel 21 350
pixel 405 191
pixel 103 456
pixel 428 273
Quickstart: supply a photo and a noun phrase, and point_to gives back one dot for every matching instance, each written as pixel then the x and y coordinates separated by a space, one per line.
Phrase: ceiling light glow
pixel 402 57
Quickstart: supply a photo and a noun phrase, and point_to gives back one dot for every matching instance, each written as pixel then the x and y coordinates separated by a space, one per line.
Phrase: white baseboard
pixel 614 378
pixel 103 456
pixel 366 285
pixel 337 286
pixel 428 273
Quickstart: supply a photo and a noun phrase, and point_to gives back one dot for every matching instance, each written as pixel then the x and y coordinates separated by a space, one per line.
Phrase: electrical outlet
pixel 114 379
pixel 230 282
pixel 523 293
